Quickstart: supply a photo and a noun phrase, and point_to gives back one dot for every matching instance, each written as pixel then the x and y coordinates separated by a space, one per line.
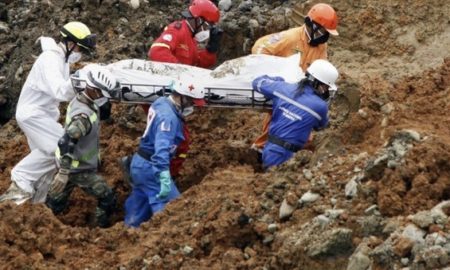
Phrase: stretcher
pixel 229 85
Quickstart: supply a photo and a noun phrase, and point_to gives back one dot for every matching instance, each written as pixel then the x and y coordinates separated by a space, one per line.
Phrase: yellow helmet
pixel 80 34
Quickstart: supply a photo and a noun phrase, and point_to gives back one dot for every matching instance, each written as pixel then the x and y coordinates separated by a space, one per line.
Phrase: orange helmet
pixel 324 15
pixel 204 9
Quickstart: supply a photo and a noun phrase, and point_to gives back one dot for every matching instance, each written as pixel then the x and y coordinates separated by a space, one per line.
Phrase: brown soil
pixel 387 53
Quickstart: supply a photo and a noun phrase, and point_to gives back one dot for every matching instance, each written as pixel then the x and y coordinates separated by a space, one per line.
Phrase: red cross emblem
pixel 191 87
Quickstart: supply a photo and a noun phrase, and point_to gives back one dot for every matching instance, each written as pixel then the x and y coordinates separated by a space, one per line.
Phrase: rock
pixel 383 254
pixel 399 149
pixel 18 73
pixel 286 210
pixel 403 246
pixel 414 233
pixel 387 108
pixel 412 134
pixel 225 5
pixel 187 250
pixel 4 28
pixel 404 261
pixel 435 239
pixel 245 5
pixel 268 239
pixel 333 201
pixel 391 225
pixel 134 4
pixel 371 225
pixel 334 242
pixel 322 220
pixel 423 219
pixel 359 261
pixel 308 197
pixel 362 113
pixel 435 257
pixel 371 209
pixel 334 213
pixel 272 227
pixel 351 189
pixel 308 174
pixel 439 212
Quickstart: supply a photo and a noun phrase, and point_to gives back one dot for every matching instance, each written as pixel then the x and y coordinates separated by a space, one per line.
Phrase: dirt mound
pixel 361 199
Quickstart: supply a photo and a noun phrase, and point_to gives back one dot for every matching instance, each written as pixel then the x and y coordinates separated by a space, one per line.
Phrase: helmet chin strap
pixel 194 30
pixel 67 50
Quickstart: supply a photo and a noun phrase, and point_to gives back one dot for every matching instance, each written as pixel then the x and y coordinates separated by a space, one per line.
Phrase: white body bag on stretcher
pixel 228 85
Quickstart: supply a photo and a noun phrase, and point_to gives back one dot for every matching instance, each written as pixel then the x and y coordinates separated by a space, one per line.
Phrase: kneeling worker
pixel 153 186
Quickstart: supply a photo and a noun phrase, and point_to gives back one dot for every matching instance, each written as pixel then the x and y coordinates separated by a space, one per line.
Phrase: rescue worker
pixel 179 43
pixel 153 186
pixel 37 112
pixel 310 40
pixel 78 149
pixel 297 109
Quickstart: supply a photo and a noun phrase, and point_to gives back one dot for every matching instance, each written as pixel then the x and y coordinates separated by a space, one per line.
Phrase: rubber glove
pixel 165 180
pixel 215 35
pixel 60 181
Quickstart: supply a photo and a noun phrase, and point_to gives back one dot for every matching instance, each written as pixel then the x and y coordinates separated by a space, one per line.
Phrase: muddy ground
pixel 389 136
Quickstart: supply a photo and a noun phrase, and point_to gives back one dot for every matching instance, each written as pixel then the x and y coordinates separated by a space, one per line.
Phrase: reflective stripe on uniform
pixel 182 155
pixel 295 103
pixel 75 163
pixel 159 44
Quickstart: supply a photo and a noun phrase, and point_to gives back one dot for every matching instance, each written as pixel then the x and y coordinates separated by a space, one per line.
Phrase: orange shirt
pixel 289 42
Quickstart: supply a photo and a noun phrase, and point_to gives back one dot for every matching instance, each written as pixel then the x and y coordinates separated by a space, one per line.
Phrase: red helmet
pixel 204 9
pixel 324 15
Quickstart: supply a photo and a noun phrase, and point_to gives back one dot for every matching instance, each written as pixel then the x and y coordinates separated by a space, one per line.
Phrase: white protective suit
pixel 37 114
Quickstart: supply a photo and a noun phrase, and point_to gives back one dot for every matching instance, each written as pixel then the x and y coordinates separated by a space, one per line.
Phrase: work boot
pixel 15 194
pixel 125 164
pixel 105 208
pixel 258 152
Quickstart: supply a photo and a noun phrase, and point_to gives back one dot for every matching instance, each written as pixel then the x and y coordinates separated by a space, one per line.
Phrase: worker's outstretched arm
pixel 266 85
pixel 51 77
pixel 79 126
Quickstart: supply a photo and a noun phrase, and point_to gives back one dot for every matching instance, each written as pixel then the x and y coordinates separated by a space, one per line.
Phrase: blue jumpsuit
pixel 294 115
pixel 164 132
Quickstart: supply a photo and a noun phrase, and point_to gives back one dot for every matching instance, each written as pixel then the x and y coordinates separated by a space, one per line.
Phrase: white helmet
pixel 191 89
pixel 325 72
pixel 101 78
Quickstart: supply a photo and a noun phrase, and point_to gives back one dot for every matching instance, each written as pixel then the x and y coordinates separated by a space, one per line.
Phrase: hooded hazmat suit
pixel 37 113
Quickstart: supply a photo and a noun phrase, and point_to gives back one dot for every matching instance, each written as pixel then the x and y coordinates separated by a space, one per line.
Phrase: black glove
pixel 215 35
pixel 105 111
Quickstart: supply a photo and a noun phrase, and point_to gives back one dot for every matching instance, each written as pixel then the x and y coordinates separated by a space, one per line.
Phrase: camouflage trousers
pixel 92 184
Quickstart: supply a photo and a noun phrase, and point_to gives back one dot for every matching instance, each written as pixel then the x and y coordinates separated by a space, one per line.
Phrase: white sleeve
pixel 52 78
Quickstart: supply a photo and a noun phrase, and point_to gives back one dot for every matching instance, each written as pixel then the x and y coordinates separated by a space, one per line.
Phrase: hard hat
pixel 203 9
pixel 100 78
pixel 324 15
pixel 325 72
pixel 191 89
pixel 80 34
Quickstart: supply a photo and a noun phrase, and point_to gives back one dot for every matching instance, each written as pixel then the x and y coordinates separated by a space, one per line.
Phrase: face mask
pixel 317 36
pixel 74 57
pixel 188 111
pixel 101 101
pixel 202 36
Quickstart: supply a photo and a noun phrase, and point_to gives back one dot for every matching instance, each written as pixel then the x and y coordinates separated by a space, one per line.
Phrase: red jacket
pixel 177 45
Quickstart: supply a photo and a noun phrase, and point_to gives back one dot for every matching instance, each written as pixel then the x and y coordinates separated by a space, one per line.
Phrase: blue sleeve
pixel 266 85
pixel 165 132
pixel 323 112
